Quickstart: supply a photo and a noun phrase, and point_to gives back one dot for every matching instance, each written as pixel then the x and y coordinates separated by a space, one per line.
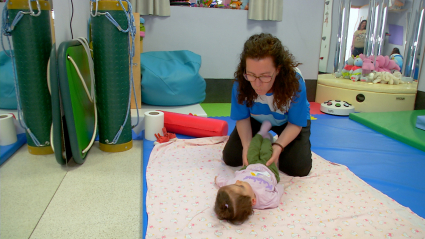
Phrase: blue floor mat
pixel 9 150
pixel 392 167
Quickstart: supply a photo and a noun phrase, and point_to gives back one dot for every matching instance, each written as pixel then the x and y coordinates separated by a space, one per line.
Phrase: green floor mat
pixel 78 109
pixel 216 109
pixel 399 125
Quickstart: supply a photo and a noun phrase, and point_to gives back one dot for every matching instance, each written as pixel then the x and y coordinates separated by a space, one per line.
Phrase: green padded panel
pixel 400 125
pixel 79 111
pixel 32 43
pixel 56 109
pixel 111 64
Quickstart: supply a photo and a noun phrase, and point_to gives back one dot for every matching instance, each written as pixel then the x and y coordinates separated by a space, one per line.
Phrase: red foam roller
pixel 195 126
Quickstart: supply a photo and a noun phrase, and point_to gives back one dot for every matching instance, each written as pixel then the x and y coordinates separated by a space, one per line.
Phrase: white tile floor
pixel 100 199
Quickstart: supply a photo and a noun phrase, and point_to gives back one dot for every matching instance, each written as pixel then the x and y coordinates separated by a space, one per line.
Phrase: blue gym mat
pixel 9 150
pixel 392 167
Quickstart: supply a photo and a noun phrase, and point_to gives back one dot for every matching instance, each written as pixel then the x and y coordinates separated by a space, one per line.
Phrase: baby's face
pixel 243 188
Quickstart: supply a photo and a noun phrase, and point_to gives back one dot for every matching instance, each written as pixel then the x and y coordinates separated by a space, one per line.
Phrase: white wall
pixel 396 18
pixel 218 35
pixel 333 42
pixel 63 17
pixel 62 10
pixel 215 34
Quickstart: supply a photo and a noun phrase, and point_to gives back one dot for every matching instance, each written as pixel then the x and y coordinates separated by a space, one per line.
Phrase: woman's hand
pixel 215 179
pixel 288 134
pixel 245 133
pixel 275 156
pixel 245 156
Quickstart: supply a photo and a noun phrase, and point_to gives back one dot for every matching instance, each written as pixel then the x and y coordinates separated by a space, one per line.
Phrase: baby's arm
pixel 220 181
pixel 272 199
pixel 280 189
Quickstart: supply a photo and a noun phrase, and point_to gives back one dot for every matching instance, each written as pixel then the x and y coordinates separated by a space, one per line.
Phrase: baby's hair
pixel 225 206
pixel 395 51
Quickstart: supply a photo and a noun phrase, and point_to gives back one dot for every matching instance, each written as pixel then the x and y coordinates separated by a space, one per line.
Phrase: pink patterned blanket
pixel 330 202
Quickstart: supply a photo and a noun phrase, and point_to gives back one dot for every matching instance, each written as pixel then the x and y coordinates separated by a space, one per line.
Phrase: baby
pixel 254 186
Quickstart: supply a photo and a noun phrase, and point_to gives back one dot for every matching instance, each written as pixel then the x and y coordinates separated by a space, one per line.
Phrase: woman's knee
pixel 296 164
pixel 231 157
pixel 297 171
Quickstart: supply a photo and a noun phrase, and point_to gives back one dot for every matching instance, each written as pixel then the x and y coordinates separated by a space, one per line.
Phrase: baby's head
pixel 234 202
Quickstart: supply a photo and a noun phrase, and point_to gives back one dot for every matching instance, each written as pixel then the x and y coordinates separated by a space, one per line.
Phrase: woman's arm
pixel 287 136
pixel 245 133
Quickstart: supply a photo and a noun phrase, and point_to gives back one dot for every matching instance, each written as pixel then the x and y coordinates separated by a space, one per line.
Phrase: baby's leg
pixel 265 155
pixel 254 149
pixel 266 151
pixel 264 130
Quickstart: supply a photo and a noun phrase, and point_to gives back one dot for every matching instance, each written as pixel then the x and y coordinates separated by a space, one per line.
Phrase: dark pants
pixel 357 51
pixel 295 160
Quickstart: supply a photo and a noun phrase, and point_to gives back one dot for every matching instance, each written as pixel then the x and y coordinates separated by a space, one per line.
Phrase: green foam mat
pixel 216 109
pixel 111 67
pixel 32 43
pixel 57 140
pixel 400 125
pixel 79 111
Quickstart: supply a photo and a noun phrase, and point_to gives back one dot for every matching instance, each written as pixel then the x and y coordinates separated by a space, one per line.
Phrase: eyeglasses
pixel 264 79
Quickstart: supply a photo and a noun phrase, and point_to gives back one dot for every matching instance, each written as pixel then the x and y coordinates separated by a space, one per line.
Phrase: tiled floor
pixel 100 199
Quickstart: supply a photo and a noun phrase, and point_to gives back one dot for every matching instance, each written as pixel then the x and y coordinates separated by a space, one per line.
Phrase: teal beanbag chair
pixel 171 78
pixel 7 82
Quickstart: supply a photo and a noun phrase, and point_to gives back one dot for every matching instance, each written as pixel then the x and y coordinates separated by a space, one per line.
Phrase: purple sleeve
pixel 221 181
pixel 280 189
pixel 272 199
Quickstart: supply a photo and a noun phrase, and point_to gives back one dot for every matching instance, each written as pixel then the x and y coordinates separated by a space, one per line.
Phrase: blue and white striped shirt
pixel 297 112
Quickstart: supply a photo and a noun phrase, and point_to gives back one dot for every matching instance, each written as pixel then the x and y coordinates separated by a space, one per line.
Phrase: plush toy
pixel 347 68
pixel 338 74
pixel 356 70
pixel 385 77
pixel 368 65
pixel 235 4
pixel 383 63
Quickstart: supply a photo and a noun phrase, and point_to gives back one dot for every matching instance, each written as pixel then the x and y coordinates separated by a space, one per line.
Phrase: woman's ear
pixel 278 70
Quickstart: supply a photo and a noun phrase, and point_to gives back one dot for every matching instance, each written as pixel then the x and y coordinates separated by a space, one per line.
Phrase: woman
pixel 359 37
pixel 269 86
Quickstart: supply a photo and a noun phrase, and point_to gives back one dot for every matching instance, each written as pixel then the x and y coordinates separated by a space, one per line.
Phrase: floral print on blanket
pixel 331 202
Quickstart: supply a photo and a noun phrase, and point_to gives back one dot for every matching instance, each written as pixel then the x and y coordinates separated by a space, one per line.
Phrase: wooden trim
pixel 136 65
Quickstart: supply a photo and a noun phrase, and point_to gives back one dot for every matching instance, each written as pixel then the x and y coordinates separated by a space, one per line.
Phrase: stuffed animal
pixel 368 65
pixel 356 70
pixel 383 63
pixel 347 68
pixel 235 4
pixel 385 77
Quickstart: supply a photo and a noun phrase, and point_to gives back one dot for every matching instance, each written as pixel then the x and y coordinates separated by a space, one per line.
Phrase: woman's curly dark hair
pixel 286 83
pixel 226 208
